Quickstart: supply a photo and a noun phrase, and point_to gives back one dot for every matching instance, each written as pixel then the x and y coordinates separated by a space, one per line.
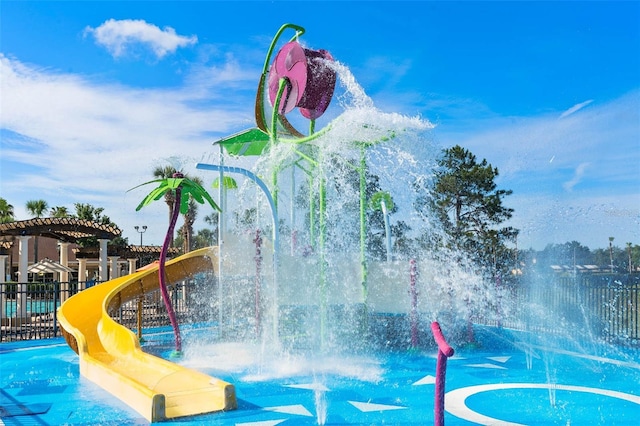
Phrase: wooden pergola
pixel 72 230
pixel 65 229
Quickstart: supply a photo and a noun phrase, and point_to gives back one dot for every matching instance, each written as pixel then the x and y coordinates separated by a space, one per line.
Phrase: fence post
pixel 139 318
pixel 56 289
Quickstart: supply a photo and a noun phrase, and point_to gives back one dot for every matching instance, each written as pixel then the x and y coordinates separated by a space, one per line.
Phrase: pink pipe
pixel 162 273
pixel 414 303
pixel 444 351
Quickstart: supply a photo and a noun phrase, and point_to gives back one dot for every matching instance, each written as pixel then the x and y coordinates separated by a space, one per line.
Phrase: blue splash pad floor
pixel 41 385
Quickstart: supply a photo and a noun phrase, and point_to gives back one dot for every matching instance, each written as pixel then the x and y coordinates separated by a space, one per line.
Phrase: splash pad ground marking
pixel 501 359
pixel 262 423
pixel 487 365
pixel 311 386
pixel 426 380
pixel 456 399
pixel 297 409
pixel 366 407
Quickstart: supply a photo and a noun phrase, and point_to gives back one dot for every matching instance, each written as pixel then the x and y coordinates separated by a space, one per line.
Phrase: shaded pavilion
pixel 65 230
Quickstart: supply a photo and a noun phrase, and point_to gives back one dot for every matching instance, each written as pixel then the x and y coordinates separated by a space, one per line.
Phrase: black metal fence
pixel 28 310
pixel 38 304
pixel 606 306
pixel 150 311
pixel 602 306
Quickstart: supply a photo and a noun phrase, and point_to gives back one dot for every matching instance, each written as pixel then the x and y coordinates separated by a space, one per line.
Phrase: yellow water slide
pixel 110 354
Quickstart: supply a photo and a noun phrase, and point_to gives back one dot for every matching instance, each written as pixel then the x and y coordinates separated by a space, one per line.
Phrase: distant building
pixel 578 268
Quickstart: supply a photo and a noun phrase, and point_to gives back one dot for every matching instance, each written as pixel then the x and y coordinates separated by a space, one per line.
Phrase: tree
pixel 59 211
pixel 183 191
pixel 189 219
pixel 569 254
pixel 212 220
pixel 6 211
pixel 168 172
pixel 469 205
pixel 94 214
pixel 204 238
pixel 89 212
pixel 37 209
pixel 633 257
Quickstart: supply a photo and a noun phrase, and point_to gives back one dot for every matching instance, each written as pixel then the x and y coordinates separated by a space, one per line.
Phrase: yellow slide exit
pixel 110 354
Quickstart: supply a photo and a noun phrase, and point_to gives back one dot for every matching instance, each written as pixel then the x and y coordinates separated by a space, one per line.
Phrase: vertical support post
pixel 132 265
pixel 3 268
pixel 113 270
pixel 258 259
pixel 292 211
pixel 3 293
pixel 444 351
pixel 499 299
pixel 413 276
pixel 64 260
pixel 23 276
pixel 56 292
pixel 82 274
pixel 387 229
pixel 221 234
pixel 322 232
pixel 312 215
pixel 363 223
pixel 102 260
pixel 139 318
pixel 65 285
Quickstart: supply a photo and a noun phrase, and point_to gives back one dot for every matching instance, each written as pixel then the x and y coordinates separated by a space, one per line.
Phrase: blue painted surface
pixel 41 385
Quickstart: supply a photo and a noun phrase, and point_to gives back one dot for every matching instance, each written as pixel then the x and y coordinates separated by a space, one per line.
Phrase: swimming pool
pixel 510 379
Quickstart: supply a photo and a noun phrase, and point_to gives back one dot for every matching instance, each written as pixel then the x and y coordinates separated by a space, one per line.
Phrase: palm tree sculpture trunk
pixel 183 189
pixel 162 275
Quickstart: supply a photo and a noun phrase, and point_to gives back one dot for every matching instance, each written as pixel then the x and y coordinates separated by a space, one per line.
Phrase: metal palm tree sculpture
pixel 183 190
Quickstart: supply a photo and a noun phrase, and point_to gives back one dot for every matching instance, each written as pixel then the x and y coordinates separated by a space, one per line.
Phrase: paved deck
pixel 41 385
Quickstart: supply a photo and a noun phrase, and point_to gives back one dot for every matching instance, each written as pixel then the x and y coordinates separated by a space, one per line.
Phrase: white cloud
pixel 118 36
pixel 577 177
pixel 68 139
pixel 589 160
pixel 605 135
pixel 575 108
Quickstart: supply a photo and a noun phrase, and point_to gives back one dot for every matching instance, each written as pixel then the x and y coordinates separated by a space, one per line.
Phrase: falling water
pixel 331 282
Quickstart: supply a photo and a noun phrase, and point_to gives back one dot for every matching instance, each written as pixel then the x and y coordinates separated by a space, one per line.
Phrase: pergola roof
pixel 67 229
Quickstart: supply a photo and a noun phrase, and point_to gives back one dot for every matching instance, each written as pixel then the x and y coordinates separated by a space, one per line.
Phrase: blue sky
pixel 94 95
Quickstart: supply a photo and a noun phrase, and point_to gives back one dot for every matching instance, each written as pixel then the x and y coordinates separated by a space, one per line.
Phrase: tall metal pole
pixel 221 232
pixel 144 229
